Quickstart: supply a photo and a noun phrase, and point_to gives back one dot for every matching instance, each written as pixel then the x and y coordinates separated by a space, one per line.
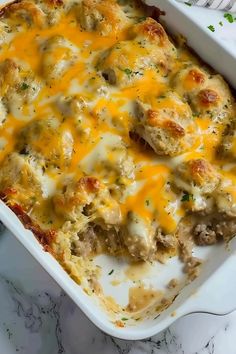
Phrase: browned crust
pixel 45 237
pixel 174 129
pixel 91 184
pixel 7 7
pixel 24 5
pixel 83 185
pixel 200 169
pixel 153 30
pixel 54 3
pixel 196 76
pixel 208 97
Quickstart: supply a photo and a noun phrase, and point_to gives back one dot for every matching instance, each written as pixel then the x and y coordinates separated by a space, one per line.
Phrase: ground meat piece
pixel 185 240
pixel 214 231
pixel 226 229
pixel 173 283
pixel 85 243
pixel 113 241
pixel 192 267
pixel 186 243
pixel 204 235
pixel 110 238
pixel 168 241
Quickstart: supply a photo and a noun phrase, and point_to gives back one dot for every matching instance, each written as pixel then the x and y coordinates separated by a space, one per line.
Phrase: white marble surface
pixel 36 317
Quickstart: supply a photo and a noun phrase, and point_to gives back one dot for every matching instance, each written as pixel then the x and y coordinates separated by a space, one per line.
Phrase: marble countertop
pixel 36 317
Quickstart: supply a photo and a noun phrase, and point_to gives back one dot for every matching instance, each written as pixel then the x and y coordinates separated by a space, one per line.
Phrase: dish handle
pixel 218 294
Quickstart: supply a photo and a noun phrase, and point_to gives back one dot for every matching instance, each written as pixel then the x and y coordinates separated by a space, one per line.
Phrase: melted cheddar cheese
pixel 110 134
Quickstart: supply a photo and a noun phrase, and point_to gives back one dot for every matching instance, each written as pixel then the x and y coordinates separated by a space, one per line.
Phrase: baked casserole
pixel 113 137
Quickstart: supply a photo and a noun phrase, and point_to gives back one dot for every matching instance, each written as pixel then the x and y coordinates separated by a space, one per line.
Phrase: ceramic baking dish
pixel 213 291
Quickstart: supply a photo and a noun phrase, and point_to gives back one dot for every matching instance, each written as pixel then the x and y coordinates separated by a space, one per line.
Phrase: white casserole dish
pixel 213 291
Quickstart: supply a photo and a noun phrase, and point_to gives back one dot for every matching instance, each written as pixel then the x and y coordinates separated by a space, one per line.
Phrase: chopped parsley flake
pixel 24 86
pixel 188 3
pixel 128 71
pixel 141 19
pixel 124 319
pixel 229 17
pixel 187 197
pixel 112 271
pixel 221 23
pixel 211 28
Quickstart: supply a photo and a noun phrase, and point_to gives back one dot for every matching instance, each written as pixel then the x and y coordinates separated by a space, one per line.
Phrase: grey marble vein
pixel 37 313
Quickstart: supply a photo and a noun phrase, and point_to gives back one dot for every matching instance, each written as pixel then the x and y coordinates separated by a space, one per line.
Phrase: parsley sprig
pixel 229 17
pixel 186 197
pixel 211 28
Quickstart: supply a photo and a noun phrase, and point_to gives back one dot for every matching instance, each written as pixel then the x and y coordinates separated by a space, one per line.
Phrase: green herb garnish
pixel 141 19
pixel 188 4
pixel 124 319
pixel 187 197
pixel 24 86
pixel 211 28
pixel 128 71
pixel 229 17
pixel 112 271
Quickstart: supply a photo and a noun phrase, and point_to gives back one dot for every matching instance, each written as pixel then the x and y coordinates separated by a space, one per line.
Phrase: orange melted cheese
pixel 107 113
